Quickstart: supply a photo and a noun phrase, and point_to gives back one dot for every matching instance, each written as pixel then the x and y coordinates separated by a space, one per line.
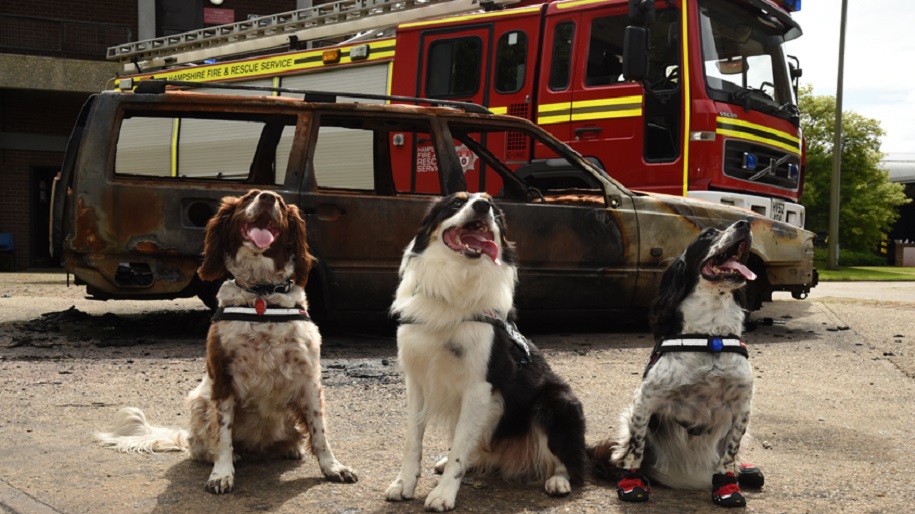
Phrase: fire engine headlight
pixel 702 135
pixel 794 171
pixel 749 161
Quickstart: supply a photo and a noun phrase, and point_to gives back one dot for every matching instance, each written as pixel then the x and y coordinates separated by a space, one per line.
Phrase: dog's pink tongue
pixel 486 246
pixel 740 268
pixel 263 238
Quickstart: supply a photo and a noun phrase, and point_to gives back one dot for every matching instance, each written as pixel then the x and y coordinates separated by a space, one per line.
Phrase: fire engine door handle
pixel 584 130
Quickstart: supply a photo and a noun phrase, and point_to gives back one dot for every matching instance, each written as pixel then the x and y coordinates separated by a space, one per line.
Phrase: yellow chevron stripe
pixel 627 113
pixel 176 127
pixel 267 66
pixel 498 110
pixel 551 120
pixel 758 139
pixel 763 128
pixel 549 114
pixel 622 100
pixel 566 5
pixel 469 17
pixel 554 107
pixel 687 104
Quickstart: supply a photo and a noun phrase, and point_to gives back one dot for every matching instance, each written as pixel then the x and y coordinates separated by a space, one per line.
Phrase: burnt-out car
pixel 145 170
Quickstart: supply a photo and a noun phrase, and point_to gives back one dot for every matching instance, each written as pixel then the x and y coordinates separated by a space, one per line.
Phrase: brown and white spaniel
pixel 262 393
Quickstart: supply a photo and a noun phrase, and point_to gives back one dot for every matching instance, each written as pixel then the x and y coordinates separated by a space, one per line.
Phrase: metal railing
pixel 63 38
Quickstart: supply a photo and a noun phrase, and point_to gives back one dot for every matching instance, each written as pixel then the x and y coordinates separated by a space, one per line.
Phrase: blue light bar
pixel 792 5
pixel 794 171
pixel 749 161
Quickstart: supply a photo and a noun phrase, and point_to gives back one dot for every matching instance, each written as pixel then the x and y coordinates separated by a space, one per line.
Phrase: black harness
pixel 697 343
pixel 520 342
pixel 267 289
pixel 262 312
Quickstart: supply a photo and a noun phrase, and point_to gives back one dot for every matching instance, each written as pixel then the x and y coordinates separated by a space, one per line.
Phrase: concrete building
pixel 901 168
pixel 52 57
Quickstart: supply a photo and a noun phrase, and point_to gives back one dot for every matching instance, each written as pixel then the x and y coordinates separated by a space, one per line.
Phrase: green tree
pixel 869 201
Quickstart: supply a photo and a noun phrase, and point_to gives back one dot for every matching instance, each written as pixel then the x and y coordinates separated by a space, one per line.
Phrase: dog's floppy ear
pixel 217 237
pixel 509 254
pixel 675 285
pixel 298 245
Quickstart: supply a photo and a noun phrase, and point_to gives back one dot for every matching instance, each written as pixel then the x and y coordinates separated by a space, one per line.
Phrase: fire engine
pixel 683 97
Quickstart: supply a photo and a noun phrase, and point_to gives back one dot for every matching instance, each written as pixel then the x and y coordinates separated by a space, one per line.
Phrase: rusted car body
pixel 143 174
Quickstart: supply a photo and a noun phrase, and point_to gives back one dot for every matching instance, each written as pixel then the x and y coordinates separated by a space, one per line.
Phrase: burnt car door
pixel 359 221
pixel 576 234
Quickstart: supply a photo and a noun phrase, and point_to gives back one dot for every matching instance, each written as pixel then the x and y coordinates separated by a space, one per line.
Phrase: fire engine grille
pixel 517 143
pixel 779 176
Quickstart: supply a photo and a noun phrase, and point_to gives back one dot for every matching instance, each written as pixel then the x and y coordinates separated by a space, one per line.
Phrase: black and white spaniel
pixel 690 412
pixel 467 366
pixel 262 392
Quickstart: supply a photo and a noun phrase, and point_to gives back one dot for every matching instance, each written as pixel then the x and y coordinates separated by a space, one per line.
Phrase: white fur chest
pixel 270 363
pixel 713 311
pixel 445 362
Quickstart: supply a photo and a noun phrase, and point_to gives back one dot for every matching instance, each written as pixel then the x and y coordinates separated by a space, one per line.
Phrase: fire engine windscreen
pixel 744 58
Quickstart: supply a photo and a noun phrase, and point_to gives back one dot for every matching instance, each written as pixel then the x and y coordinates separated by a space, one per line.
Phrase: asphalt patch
pixel 74 325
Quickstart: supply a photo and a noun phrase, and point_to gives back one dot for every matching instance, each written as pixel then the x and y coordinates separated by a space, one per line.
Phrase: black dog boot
pixel 750 477
pixel 633 486
pixel 726 492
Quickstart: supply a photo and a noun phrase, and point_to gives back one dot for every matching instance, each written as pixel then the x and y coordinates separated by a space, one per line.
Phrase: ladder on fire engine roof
pixel 284 30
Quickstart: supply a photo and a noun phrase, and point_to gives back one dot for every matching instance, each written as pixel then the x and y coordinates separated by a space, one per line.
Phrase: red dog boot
pixel 633 486
pixel 750 477
pixel 726 492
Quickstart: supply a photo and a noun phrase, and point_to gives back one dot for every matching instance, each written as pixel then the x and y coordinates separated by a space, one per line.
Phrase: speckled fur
pixel 708 394
pixel 262 393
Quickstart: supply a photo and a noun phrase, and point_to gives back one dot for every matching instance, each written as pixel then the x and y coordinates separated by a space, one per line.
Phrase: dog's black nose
pixel 267 198
pixel 481 206
pixel 742 225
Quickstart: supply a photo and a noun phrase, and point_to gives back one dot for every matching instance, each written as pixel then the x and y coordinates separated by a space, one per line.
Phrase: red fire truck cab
pixel 685 97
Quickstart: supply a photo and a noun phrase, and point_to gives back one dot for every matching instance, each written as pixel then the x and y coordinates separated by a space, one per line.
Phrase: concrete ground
pixel 831 425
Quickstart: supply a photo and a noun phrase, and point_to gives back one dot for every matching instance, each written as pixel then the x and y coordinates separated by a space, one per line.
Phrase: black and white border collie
pixel 467 367
pixel 689 414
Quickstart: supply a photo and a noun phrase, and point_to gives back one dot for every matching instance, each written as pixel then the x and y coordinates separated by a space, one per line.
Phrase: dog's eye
pixel 457 203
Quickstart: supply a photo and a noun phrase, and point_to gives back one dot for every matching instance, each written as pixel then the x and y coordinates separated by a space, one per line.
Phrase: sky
pixel 879 79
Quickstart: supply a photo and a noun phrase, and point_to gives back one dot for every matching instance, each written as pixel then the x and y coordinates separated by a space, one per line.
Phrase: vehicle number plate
pixel 778 209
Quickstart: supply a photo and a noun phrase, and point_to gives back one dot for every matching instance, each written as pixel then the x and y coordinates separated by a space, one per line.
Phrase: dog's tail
pixel 133 433
pixel 601 458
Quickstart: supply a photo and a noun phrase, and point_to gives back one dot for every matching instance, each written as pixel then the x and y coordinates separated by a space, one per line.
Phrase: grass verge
pixel 864 273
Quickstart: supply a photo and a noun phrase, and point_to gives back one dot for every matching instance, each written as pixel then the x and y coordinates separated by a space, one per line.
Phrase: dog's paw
pixel 293 455
pixel 750 477
pixel 399 490
pixel 220 484
pixel 439 501
pixel 726 492
pixel 633 487
pixel 294 452
pixel 558 486
pixel 340 473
